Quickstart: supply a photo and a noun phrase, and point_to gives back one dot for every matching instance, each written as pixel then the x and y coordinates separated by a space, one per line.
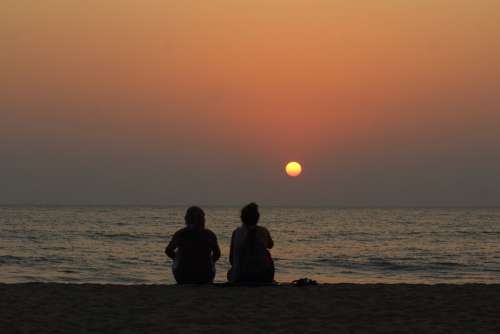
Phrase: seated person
pixel 194 250
pixel 249 256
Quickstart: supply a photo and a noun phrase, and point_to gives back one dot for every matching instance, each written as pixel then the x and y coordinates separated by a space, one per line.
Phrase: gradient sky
pixel 385 103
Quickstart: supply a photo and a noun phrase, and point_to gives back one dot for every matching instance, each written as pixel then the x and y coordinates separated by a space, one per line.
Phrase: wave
pixel 397 265
pixel 123 236
pixel 10 259
pixel 32 260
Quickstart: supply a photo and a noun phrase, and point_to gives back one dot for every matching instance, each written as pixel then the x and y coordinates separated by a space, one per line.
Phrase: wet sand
pixel 338 308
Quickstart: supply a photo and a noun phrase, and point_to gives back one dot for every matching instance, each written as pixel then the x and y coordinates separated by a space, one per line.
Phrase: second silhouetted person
pixel 249 256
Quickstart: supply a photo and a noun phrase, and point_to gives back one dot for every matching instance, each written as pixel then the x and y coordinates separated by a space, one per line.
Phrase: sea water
pixel 125 245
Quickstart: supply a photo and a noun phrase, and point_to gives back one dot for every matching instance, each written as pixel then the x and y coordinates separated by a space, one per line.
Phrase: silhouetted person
pixel 194 250
pixel 249 256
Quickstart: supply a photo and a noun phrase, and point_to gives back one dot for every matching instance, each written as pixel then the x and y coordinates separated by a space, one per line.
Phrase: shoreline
pixel 257 285
pixel 325 308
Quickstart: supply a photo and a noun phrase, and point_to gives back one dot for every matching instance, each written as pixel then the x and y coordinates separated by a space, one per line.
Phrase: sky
pixel 385 103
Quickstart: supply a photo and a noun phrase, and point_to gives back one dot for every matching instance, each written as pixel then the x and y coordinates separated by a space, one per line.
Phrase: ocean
pixel 125 245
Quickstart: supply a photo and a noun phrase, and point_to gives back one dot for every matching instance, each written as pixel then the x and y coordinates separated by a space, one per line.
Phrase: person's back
pixel 249 256
pixel 194 250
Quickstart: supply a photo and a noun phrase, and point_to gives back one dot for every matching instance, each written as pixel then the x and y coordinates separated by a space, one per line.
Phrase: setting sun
pixel 293 169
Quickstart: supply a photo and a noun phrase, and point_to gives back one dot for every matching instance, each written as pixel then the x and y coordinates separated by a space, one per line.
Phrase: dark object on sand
pixel 304 282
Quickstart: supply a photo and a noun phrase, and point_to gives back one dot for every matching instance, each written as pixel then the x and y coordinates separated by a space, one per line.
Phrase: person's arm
pixel 215 249
pixel 231 250
pixel 171 247
pixel 270 242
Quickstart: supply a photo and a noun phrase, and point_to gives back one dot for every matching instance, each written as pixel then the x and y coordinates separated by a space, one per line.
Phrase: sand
pixel 339 308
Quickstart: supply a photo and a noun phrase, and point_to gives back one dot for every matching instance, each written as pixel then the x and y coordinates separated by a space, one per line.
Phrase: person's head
pixel 195 217
pixel 250 214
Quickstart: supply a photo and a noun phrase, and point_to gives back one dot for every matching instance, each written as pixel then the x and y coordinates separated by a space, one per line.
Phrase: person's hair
pixel 250 214
pixel 250 217
pixel 195 217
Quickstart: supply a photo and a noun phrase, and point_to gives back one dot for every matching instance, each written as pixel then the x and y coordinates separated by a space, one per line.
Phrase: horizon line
pixel 305 206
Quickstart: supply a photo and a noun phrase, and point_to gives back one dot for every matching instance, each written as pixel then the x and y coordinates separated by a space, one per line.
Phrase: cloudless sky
pixel 390 102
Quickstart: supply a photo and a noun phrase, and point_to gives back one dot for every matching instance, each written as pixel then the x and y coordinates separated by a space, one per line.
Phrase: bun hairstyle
pixel 195 217
pixel 250 214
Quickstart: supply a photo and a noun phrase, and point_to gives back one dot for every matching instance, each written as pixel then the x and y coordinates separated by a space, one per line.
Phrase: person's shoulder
pixel 181 231
pixel 263 229
pixel 238 230
pixel 209 232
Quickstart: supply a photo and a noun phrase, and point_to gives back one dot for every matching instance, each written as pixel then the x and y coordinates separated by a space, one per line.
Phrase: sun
pixel 293 168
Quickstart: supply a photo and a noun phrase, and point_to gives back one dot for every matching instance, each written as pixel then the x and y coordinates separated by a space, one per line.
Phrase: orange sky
pixel 211 91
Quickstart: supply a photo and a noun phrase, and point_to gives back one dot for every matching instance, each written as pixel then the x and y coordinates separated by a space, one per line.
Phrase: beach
pixel 330 308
